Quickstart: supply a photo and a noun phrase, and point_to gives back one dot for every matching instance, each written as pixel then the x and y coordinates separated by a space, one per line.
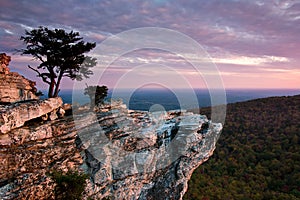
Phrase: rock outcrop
pixel 128 154
pixel 13 86
pixel 15 115
pixel 142 155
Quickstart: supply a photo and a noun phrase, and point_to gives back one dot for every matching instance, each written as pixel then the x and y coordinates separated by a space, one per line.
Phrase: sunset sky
pixel 254 44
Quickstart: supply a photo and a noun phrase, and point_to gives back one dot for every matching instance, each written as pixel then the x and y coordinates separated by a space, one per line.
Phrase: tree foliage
pixel 96 94
pixel 257 154
pixel 61 54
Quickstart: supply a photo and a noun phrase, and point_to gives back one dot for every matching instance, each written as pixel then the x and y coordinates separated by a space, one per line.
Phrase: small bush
pixel 69 185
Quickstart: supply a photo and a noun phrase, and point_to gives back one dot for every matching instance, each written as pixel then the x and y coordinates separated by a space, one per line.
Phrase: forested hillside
pixel 257 155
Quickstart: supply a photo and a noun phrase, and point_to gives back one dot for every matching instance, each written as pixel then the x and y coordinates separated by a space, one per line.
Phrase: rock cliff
pixel 128 154
pixel 143 155
pixel 13 86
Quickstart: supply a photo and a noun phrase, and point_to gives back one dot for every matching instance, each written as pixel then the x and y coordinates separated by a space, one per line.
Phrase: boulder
pixel 14 116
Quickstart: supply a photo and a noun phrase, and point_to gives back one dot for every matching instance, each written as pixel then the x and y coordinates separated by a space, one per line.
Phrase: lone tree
pixel 96 94
pixel 61 55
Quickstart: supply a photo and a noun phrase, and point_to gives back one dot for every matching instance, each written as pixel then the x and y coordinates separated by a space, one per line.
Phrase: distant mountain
pixel 257 154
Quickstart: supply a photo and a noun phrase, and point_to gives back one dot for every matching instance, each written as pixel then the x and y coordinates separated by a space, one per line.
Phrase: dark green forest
pixel 257 155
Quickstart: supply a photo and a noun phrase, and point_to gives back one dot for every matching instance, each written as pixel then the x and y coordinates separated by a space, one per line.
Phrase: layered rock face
pixel 33 141
pixel 13 86
pixel 128 154
pixel 29 152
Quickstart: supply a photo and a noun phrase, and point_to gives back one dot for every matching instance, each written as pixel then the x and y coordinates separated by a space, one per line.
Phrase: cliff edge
pixel 143 155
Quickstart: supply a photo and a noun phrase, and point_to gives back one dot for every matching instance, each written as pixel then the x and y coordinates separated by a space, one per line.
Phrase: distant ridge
pixel 143 99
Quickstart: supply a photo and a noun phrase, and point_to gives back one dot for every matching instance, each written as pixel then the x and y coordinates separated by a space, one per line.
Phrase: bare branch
pixel 43 76
pixel 40 58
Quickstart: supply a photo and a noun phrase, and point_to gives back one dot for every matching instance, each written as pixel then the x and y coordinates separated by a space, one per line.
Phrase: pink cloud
pixel 223 28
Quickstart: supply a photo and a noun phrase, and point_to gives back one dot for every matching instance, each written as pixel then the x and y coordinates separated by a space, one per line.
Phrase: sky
pixel 251 43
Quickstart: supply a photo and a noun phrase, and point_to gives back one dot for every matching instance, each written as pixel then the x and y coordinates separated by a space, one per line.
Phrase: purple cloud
pixel 226 29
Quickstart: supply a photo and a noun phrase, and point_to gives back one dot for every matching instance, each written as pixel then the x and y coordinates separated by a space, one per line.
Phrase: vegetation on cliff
pixel 61 54
pixel 69 185
pixel 257 154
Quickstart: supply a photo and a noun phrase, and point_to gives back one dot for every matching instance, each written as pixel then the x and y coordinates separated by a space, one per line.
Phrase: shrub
pixel 69 185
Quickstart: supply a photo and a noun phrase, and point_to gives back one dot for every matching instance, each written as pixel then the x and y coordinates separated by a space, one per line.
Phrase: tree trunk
pixel 52 82
pixel 51 88
pixel 92 105
pixel 57 84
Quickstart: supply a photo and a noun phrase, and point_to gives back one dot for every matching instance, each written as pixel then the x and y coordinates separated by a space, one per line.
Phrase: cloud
pixel 238 34
pixel 244 60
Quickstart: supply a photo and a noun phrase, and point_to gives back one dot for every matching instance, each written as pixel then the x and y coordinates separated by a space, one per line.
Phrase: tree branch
pixel 40 75
pixel 40 58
